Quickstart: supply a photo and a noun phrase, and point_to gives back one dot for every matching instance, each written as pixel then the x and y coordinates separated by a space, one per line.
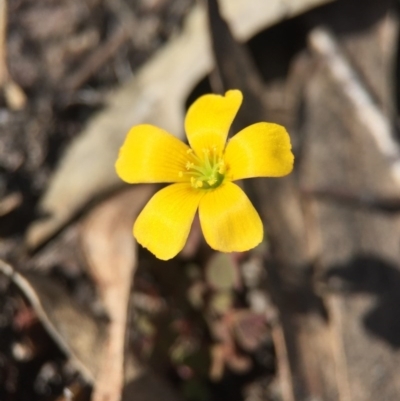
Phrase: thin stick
pixel 3 24
pixel 96 60
pixel 323 43
pixel 14 95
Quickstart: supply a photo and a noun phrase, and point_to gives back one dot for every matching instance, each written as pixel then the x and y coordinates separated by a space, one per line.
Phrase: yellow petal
pixel 164 224
pixel 260 150
pixel 150 154
pixel 209 118
pixel 228 219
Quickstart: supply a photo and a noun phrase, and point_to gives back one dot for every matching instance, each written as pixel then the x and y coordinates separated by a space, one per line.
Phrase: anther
pixel 206 172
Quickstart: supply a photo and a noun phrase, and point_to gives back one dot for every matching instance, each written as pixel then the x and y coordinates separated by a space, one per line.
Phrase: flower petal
pixel 209 118
pixel 229 221
pixel 150 154
pixel 259 150
pixel 164 224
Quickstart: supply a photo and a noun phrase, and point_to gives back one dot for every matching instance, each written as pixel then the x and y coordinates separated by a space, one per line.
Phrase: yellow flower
pixel 202 176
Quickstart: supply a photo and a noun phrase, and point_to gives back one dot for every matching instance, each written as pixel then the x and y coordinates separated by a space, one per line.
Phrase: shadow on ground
pixel 370 274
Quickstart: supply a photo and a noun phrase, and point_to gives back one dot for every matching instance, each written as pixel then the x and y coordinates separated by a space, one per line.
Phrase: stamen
pixel 206 172
pixel 207 159
pixel 221 169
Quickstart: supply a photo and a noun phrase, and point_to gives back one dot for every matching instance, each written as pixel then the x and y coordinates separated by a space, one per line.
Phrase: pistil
pixel 207 172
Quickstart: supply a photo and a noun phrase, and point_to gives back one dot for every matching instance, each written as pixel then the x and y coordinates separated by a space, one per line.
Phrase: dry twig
pixel 14 95
pixel 96 60
pixel 127 31
pixel 376 124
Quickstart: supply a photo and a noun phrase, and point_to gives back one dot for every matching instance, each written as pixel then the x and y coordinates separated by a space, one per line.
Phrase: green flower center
pixel 207 172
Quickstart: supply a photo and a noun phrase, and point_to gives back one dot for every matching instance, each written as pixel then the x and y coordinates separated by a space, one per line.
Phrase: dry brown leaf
pixel 111 253
pixel 360 243
pixel 75 331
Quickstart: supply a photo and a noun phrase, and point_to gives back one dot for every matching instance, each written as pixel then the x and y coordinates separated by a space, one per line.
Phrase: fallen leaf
pixel 111 254
pixel 74 331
